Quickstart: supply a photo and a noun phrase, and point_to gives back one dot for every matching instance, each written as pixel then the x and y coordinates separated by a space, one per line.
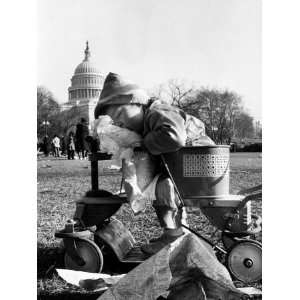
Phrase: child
pixel 163 128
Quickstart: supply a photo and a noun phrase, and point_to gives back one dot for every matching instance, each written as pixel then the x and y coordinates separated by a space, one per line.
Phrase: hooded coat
pixel 164 128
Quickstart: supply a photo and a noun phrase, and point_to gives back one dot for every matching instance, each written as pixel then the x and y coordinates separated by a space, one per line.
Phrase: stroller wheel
pixel 90 253
pixel 244 261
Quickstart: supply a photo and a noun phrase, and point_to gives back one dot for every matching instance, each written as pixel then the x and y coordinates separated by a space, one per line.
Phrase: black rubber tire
pixel 90 253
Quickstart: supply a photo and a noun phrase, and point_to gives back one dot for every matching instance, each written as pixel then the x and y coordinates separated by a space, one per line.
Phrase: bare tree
pixel 177 91
pixel 174 91
pixel 217 109
pixel 243 125
pixel 66 120
pixel 47 110
pixel 157 92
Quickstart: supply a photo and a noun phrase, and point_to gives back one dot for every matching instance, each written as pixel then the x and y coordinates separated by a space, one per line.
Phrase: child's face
pixel 128 115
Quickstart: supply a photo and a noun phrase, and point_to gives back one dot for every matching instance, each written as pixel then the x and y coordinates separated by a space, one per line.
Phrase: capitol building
pixel 85 89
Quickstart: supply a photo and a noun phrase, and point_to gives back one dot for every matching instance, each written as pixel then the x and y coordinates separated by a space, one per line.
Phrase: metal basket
pixel 200 171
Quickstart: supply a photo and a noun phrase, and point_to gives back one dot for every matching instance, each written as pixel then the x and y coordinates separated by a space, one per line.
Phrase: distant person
pixel 82 131
pixel 63 145
pixel 39 146
pixel 46 145
pixel 52 148
pixel 56 144
pixel 71 146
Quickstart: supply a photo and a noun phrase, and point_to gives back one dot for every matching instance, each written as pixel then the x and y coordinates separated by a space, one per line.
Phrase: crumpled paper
pixel 115 140
pixel 139 181
pixel 89 281
pixel 137 167
pixel 184 269
pixel 195 130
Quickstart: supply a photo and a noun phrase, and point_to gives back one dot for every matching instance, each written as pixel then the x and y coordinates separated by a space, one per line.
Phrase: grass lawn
pixel 60 182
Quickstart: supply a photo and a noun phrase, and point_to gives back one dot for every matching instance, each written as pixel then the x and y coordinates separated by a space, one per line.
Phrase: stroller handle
pixel 173 181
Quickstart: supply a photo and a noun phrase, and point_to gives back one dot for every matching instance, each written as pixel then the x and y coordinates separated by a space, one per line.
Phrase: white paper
pixel 73 277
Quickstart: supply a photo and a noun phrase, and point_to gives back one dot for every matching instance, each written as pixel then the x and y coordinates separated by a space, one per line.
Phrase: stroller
pixel 200 175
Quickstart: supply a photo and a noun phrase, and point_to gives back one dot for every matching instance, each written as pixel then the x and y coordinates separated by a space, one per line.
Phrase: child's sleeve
pixel 165 132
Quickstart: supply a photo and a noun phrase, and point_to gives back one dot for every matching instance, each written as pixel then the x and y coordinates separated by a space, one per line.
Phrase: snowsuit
pixel 164 131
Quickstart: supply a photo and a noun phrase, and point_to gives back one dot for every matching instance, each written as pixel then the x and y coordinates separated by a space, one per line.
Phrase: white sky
pixel 212 43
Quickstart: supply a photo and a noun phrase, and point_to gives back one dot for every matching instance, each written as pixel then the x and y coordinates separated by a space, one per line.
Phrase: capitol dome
pixel 86 67
pixel 86 83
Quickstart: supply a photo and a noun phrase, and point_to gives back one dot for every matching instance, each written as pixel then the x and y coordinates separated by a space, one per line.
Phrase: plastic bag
pixel 137 167
pixel 139 180
pixel 195 130
pixel 114 139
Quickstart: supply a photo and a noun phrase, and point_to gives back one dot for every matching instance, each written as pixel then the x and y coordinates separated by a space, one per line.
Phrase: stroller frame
pixel 93 228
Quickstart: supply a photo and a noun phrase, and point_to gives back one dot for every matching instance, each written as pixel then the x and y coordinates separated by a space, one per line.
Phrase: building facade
pixel 86 86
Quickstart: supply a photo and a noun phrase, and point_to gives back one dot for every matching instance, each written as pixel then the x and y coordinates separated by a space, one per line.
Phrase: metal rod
pixel 250 190
pixel 173 181
pixel 205 239
pixel 94 175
